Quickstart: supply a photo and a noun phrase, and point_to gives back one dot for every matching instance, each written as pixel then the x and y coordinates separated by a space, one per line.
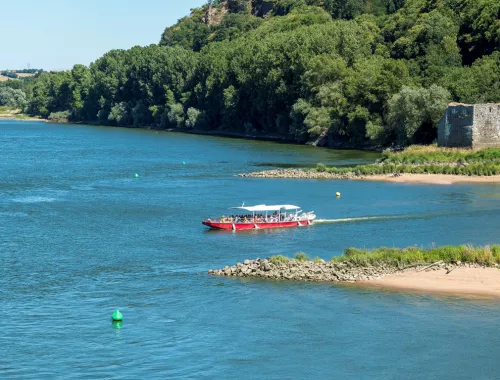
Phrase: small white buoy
pixel 338 194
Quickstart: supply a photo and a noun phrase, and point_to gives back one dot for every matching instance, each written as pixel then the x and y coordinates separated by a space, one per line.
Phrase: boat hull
pixel 255 226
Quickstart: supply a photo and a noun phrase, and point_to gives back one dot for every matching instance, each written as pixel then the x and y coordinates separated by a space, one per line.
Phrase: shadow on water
pixel 260 231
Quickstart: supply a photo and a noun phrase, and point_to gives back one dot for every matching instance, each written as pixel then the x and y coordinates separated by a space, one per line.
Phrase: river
pixel 80 236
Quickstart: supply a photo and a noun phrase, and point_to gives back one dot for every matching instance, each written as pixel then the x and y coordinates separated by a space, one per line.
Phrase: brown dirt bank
pixel 460 281
pixel 437 179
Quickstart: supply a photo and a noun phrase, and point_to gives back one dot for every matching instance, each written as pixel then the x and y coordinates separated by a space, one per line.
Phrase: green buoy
pixel 183 162
pixel 117 316
pixel 136 175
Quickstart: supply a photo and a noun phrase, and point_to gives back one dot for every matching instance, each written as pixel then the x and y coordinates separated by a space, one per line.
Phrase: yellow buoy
pixel 338 194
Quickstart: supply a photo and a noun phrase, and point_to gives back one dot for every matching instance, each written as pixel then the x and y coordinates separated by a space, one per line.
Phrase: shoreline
pixel 215 133
pixel 438 278
pixel 465 281
pixel 9 118
pixel 435 179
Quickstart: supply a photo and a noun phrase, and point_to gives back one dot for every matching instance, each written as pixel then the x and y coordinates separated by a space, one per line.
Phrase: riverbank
pixel 7 113
pixel 459 270
pixel 437 179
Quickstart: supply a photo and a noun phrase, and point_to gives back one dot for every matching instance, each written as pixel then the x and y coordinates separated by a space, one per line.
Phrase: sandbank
pixel 436 179
pixel 484 282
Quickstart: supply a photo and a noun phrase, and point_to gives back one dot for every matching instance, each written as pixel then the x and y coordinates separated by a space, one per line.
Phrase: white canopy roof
pixel 267 208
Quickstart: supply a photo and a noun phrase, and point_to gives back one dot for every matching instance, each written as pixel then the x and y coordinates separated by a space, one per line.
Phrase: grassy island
pixel 417 163
pixel 461 269
pixel 419 159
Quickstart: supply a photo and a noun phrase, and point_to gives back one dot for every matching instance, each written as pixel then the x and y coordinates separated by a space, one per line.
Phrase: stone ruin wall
pixel 455 128
pixel 473 126
pixel 486 127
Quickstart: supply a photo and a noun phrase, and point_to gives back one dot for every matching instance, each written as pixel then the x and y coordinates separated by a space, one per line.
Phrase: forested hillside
pixel 368 71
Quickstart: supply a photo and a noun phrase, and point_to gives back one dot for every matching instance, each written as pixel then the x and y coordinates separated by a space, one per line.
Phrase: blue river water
pixel 80 236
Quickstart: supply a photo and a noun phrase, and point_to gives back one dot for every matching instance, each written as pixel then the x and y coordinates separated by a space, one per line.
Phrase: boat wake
pixel 361 219
pixel 428 215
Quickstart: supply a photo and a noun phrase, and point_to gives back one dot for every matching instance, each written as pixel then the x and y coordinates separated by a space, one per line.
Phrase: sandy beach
pixel 437 179
pixel 484 282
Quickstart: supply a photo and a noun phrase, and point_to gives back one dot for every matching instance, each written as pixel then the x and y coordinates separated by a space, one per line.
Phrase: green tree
pixel 413 113
pixel 237 6
pixel 12 97
pixel 344 9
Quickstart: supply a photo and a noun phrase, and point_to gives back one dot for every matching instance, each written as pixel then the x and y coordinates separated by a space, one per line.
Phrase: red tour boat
pixel 262 216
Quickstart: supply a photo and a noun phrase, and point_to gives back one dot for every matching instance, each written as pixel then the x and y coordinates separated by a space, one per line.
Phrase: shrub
pixel 279 260
pixel 301 256
pixel 321 168
pixel 59 117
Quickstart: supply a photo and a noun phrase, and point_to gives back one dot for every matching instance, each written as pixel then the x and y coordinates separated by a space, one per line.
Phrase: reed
pixel 435 155
pixel 428 160
pixel 487 255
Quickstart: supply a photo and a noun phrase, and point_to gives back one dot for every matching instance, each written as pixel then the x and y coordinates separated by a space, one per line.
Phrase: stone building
pixel 470 125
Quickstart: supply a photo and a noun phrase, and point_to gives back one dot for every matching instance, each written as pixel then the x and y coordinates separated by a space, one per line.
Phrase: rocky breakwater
pixel 317 271
pixel 301 174
pixel 323 271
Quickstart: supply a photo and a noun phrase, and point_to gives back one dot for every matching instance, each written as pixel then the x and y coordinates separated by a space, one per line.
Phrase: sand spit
pixel 456 278
pixel 437 179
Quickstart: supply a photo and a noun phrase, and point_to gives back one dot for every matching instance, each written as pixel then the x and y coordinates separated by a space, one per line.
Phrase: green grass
pixel 428 160
pixel 418 155
pixel 488 255
pixel 400 257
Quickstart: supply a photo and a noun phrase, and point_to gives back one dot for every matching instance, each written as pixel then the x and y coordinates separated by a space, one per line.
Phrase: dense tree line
pixel 367 71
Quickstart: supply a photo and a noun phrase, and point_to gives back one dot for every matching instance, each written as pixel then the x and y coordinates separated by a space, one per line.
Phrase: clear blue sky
pixel 56 34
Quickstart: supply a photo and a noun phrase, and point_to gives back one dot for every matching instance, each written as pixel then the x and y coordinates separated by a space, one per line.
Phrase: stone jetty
pixel 323 271
pixel 300 173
